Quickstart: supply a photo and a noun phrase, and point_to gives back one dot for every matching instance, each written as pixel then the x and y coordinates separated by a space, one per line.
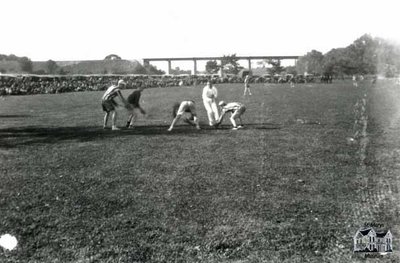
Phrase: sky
pixel 93 29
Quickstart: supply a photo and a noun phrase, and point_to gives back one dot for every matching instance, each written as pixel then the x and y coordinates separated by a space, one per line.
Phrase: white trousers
pixel 212 110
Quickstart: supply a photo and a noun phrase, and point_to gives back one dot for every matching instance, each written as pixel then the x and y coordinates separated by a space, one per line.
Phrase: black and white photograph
pixel 199 131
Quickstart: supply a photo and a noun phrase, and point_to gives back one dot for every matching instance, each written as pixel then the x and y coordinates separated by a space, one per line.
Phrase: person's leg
pixel 196 122
pixel 174 121
pixel 133 117
pixel 114 121
pixel 210 113
pixel 129 121
pixel 240 121
pixel 105 120
pixel 214 108
pixel 211 119
pixel 232 119
pixel 237 115
pixel 241 110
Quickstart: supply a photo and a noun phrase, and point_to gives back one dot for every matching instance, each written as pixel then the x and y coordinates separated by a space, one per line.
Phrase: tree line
pixel 366 55
pixel 24 63
pixel 111 64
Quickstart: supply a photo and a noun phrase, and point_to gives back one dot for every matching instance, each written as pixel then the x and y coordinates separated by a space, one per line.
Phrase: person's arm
pixel 204 95
pixel 142 110
pixel 122 98
pixel 137 102
pixel 189 121
pixel 221 117
pixel 215 92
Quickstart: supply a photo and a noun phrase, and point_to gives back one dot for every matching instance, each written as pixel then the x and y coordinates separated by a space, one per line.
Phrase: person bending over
pixel 188 107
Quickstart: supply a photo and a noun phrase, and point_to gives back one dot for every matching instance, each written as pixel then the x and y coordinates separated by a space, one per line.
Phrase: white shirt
pixel 232 107
pixel 111 93
pixel 209 93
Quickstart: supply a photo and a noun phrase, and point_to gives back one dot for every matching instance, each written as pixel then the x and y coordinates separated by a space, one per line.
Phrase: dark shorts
pixel 109 105
pixel 242 109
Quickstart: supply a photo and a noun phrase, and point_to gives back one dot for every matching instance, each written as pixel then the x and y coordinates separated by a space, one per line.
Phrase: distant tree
pixel 25 64
pixel 212 67
pixel 112 57
pixel 115 70
pixel 388 57
pixel 276 67
pixel 51 66
pixel 62 71
pixel 152 70
pixel 39 72
pixel 140 70
pixel 12 57
pixel 178 71
pixel 230 64
pixel 336 62
pixel 390 71
pixel 366 55
pixel 310 63
pixel 261 63
pixel 2 70
pixel 363 54
pixel 291 70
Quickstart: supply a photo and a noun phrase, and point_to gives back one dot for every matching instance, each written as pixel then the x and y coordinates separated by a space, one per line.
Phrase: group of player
pixel 188 107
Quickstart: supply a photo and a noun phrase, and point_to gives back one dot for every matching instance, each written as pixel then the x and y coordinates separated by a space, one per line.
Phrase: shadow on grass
pixel 13 137
pixel 20 136
pixel 263 126
pixel 249 126
pixel 13 116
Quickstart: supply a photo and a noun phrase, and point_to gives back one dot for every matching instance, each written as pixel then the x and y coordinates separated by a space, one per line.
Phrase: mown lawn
pixel 283 189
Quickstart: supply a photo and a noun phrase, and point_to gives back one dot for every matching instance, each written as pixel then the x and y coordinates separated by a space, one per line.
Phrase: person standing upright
pixel 109 104
pixel 210 94
pixel 247 85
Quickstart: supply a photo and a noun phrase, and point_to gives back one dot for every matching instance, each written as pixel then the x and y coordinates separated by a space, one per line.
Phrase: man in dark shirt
pixel 134 106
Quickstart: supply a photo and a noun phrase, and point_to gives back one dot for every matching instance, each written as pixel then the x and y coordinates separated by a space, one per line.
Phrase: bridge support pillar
pixel 249 61
pixel 194 67
pixel 169 67
pixel 220 71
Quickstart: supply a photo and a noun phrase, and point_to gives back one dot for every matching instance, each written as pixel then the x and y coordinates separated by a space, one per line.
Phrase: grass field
pixel 288 188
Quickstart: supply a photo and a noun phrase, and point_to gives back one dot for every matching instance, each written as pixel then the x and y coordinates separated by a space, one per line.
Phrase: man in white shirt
pixel 109 104
pixel 209 96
